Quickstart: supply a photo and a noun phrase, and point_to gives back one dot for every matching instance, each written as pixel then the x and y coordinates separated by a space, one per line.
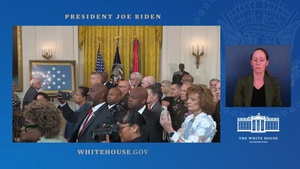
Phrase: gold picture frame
pixel 17 58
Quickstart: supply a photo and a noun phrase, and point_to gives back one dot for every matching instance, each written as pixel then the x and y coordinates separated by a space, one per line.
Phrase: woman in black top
pixel 131 125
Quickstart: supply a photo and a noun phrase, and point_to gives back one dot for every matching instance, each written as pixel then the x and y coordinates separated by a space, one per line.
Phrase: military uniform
pixel 124 101
pixel 181 113
pixel 116 109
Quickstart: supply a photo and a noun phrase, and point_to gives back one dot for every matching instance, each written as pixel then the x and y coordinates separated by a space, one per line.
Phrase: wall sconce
pixel 47 53
pixel 198 54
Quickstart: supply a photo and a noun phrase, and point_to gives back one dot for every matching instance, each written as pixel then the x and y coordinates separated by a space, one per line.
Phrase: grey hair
pixel 31 83
pixel 214 79
pixel 138 75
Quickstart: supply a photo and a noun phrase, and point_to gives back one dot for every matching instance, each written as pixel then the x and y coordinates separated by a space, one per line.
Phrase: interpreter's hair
pixel 267 57
pixel 46 115
pixel 131 117
pixel 205 97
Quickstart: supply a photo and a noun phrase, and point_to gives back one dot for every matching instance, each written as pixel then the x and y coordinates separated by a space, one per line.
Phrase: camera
pixel 111 130
pixel 65 95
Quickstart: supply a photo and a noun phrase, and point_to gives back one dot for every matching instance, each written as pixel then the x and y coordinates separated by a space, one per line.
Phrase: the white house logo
pixel 258 124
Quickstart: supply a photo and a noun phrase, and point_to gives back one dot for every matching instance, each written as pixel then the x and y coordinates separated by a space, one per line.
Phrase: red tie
pixel 84 124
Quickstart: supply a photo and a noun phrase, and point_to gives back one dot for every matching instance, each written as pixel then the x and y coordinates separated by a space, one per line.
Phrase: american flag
pixel 55 77
pixel 99 64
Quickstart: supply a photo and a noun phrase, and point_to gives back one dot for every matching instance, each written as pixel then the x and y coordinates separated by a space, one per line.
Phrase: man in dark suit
pixel 104 80
pixel 94 118
pixel 137 101
pixel 153 100
pixel 113 101
pixel 178 75
pixel 35 86
pixel 124 86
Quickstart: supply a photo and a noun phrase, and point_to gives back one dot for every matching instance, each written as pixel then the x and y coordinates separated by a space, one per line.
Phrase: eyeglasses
pixel 122 127
pixel 28 127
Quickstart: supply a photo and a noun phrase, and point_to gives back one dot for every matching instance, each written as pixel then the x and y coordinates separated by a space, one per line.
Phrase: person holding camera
pixel 80 98
pixel 131 125
pixel 199 126
pixel 97 117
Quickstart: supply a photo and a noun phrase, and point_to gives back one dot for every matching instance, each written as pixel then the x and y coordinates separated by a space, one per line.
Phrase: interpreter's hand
pixel 59 98
pixel 166 123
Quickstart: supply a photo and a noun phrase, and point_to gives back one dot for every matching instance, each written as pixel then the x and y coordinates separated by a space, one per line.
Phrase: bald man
pixel 148 81
pixel 94 118
pixel 137 100
pixel 187 78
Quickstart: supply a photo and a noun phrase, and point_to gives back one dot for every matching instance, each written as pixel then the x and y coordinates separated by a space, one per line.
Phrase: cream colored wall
pixel 177 48
pixel 62 39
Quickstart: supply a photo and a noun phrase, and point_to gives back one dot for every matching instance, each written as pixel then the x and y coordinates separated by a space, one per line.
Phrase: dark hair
pixel 267 57
pixel 178 84
pixel 45 95
pixel 131 117
pixel 84 90
pixel 156 90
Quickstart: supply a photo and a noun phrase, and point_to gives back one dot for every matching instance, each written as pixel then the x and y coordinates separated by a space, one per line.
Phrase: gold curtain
pixel 150 38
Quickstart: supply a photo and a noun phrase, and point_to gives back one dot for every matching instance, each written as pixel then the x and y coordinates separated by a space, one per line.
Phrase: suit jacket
pixel 216 116
pixel 157 109
pixel 109 85
pixel 244 90
pixel 101 116
pixel 153 130
pixel 29 96
pixel 71 117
